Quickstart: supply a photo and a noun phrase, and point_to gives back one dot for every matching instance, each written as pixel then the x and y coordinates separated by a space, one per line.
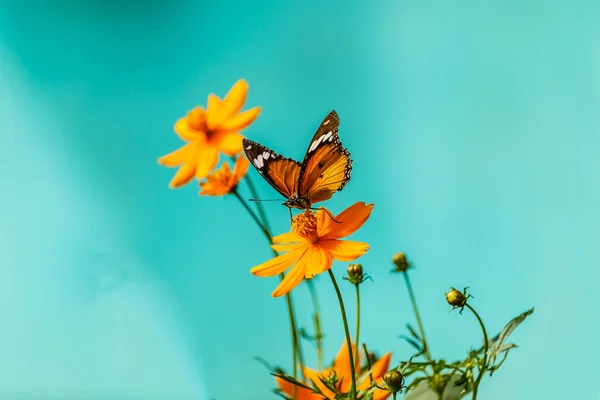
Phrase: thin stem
pixel 295 353
pixel 317 320
pixel 356 341
pixel 368 363
pixel 394 396
pixel 483 367
pixel 348 339
pixel 417 315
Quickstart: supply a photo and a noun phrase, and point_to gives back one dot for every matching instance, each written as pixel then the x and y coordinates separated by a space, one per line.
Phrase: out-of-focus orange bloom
pixel 313 243
pixel 208 132
pixel 223 181
pixel 343 378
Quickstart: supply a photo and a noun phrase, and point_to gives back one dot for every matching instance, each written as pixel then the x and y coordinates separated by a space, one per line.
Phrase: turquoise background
pixel 473 127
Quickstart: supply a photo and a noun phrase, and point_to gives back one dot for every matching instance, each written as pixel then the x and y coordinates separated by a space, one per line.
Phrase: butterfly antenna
pixel 257 200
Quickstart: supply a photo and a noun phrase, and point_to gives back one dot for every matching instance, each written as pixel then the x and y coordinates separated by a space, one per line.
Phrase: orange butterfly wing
pixel 327 165
pixel 283 174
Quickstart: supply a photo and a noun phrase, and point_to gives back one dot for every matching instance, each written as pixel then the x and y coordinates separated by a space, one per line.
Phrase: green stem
pixel 483 366
pixel 356 341
pixel 317 320
pixel 417 315
pixel 295 348
pixel 394 396
pixel 348 339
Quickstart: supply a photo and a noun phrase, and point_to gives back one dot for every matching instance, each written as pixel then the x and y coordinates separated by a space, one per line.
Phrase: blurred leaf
pixel 422 391
pixel 411 341
pixel 413 332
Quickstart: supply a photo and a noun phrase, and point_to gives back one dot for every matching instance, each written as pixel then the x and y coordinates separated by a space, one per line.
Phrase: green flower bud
pixel 438 383
pixel 455 298
pixel 355 273
pixel 394 381
pixel 400 262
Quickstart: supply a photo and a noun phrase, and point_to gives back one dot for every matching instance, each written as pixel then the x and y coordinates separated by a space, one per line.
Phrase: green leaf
pixel 497 346
pixel 294 382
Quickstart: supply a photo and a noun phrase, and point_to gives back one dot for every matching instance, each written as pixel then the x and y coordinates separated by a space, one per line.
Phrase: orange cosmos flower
pixel 313 243
pixel 339 376
pixel 223 181
pixel 209 132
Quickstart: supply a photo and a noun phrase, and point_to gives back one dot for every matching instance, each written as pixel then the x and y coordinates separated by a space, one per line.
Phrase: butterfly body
pixel 325 169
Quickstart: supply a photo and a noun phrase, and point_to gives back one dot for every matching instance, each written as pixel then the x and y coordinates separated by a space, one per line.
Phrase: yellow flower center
pixel 221 176
pixel 197 120
pixel 306 225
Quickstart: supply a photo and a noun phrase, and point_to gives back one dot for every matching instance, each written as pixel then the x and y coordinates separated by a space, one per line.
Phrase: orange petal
pixel 185 131
pixel 176 157
pixel 314 376
pixel 301 393
pixel 240 121
pixel 214 116
pixel 241 166
pixel 235 98
pixel 229 143
pixel 292 279
pixel 381 366
pixel 280 248
pixel 349 221
pixel 379 394
pixel 206 159
pixel 377 370
pixel 344 250
pixel 342 367
pixel 316 261
pixel 289 237
pixel 278 264
pixel 184 175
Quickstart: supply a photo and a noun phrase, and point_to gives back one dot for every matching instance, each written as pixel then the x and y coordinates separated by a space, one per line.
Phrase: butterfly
pixel 325 169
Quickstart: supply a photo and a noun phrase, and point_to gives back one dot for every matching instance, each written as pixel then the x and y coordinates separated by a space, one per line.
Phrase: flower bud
pixel 455 298
pixel 438 383
pixel 394 380
pixel 355 273
pixel 400 262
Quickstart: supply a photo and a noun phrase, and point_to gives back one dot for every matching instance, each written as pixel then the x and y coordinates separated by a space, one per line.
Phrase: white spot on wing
pixel 248 147
pixel 266 155
pixel 259 160
pixel 326 122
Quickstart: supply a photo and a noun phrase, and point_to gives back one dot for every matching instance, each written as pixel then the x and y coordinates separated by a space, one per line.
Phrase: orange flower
pixel 339 374
pixel 208 132
pixel 222 181
pixel 313 243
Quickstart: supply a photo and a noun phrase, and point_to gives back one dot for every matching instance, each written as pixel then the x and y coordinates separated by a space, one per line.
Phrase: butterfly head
pixel 300 202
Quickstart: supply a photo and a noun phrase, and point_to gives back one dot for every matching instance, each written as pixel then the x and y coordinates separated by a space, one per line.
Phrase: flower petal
pixel 280 248
pixel 342 367
pixel 316 261
pixel 378 369
pixel 301 392
pixel 293 277
pixel 314 376
pixel 176 157
pixel 380 394
pixel 229 143
pixel 348 221
pixel 344 250
pixel 206 158
pixel 289 237
pixel 214 116
pixel 278 264
pixel 235 98
pixel 192 126
pixel 240 121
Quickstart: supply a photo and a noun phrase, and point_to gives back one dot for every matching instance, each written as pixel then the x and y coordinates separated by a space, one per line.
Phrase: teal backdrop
pixel 473 127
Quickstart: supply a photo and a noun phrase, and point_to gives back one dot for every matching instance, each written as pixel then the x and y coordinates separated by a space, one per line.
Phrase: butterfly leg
pixel 329 213
pixel 291 217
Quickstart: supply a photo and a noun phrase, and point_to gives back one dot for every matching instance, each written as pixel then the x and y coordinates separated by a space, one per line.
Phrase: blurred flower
pixel 223 181
pixel 339 376
pixel 313 243
pixel 209 132
pixel 400 262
